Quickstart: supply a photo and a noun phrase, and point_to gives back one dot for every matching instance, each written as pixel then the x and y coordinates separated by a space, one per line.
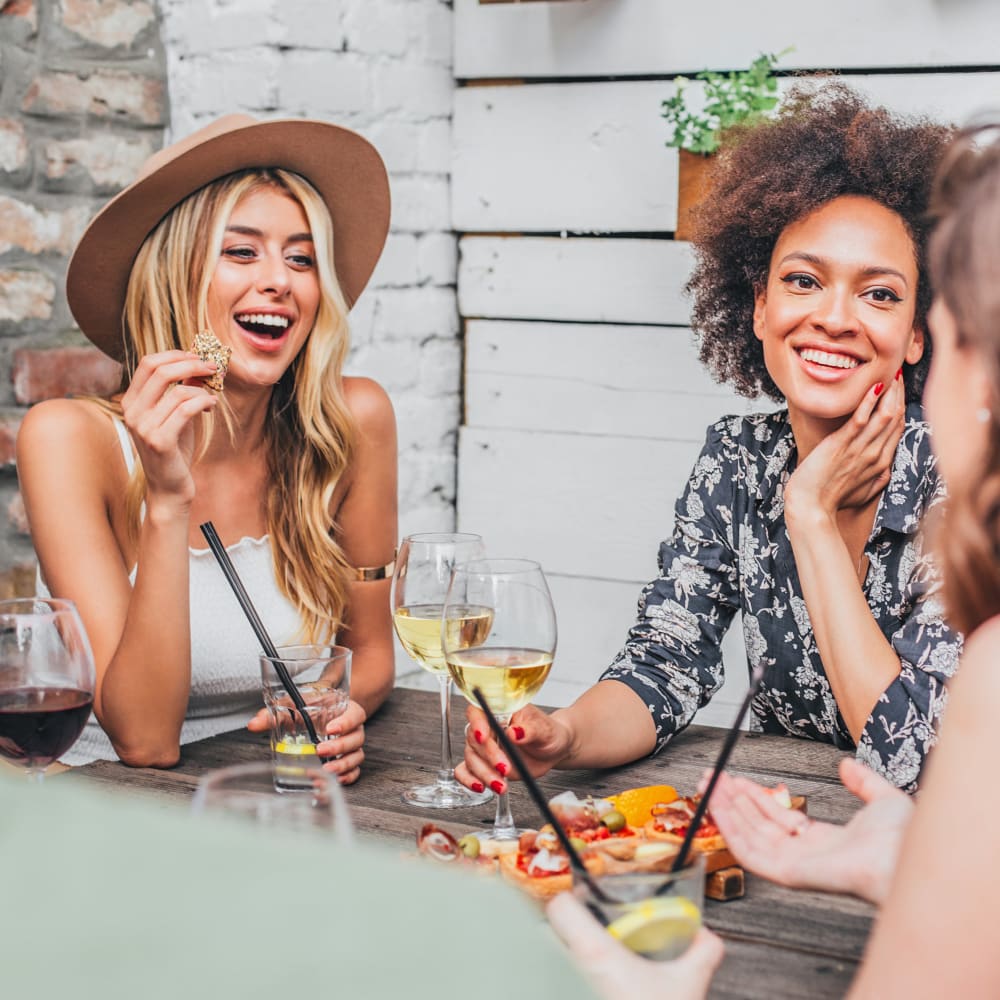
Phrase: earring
pixel 983 415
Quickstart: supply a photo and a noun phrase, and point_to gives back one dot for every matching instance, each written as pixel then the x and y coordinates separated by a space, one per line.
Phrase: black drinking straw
pixel 727 749
pixel 220 553
pixel 576 862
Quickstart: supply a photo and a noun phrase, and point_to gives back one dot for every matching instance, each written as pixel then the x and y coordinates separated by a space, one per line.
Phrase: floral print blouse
pixel 730 552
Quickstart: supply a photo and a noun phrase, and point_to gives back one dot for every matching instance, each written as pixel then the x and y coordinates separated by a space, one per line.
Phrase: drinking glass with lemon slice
pixel 322 675
pixel 655 914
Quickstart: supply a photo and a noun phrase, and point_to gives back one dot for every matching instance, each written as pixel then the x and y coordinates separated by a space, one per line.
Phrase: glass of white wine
pixel 510 662
pixel 419 584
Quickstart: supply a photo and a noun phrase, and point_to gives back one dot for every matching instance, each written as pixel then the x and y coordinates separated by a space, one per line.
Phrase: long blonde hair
pixel 309 430
pixel 965 270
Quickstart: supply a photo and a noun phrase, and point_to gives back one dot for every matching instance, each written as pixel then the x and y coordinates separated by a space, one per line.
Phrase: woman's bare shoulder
pixel 982 648
pixel 369 404
pixel 64 423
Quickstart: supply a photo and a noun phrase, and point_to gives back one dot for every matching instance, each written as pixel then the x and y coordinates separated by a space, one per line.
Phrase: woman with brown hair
pixel 259 236
pixel 810 287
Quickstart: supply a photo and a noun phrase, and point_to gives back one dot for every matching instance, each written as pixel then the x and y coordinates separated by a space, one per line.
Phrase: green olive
pixel 580 845
pixel 613 820
pixel 469 845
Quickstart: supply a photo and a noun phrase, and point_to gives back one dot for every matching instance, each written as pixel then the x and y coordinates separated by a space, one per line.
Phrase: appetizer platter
pixel 640 829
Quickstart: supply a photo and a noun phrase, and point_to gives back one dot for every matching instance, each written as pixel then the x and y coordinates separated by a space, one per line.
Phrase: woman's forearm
pixel 145 689
pixel 608 725
pixel 373 673
pixel 859 661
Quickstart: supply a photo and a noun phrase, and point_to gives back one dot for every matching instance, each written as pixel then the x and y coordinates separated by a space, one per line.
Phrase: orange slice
pixel 635 804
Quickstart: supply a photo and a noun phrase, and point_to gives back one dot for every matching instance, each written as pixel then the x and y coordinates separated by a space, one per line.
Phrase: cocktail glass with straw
pixel 419 585
pixel 510 662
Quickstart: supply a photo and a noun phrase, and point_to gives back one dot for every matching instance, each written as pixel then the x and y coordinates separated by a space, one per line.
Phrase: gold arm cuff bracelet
pixel 364 574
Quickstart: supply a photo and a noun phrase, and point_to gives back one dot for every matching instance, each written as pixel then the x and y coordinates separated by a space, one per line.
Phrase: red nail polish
pixel 478 786
pixel 502 769
pixel 879 386
pixel 478 735
pixel 497 787
pixel 518 732
pixel 899 374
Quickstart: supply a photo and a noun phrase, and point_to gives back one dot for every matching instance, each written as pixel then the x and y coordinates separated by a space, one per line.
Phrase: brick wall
pixel 382 67
pixel 83 102
pixel 88 87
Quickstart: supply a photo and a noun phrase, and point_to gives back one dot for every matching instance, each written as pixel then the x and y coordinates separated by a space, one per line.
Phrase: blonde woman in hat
pixel 263 234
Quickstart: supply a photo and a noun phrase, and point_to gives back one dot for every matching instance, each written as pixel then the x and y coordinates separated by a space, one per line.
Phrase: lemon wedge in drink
pixel 294 749
pixel 658 928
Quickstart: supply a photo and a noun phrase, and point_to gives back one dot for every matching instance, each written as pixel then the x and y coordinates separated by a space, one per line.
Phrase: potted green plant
pixel 743 96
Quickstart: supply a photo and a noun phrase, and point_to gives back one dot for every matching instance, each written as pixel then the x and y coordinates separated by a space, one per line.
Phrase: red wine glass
pixel 46 681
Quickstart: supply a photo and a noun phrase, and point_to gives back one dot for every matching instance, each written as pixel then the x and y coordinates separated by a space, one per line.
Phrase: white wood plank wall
pixel 585 404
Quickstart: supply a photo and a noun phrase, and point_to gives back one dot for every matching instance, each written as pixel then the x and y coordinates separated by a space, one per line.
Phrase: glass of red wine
pixel 46 681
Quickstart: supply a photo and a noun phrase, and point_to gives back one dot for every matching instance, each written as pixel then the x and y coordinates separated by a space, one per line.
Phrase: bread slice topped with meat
pixel 541 867
pixel 670 822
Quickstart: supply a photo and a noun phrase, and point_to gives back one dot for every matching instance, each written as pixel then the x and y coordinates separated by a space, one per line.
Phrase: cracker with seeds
pixel 208 347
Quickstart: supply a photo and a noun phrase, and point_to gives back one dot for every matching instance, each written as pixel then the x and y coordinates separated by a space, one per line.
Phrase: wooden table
pixel 779 943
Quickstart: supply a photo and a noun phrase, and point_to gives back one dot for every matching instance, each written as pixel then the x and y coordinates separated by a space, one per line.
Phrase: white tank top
pixel 225 670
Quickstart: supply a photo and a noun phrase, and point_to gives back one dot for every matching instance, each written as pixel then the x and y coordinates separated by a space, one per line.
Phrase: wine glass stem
pixel 503 824
pixel 446 774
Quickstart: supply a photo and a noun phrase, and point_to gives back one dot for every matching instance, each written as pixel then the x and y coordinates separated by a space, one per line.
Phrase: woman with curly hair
pixel 899 852
pixel 811 288
pixel 253 239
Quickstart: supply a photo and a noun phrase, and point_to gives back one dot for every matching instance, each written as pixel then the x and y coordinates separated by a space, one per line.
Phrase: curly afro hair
pixel 827 141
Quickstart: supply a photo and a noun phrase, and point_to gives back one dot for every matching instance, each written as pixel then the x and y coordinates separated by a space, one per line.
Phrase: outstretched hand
pixel 615 971
pixel 542 739
pixel 787 847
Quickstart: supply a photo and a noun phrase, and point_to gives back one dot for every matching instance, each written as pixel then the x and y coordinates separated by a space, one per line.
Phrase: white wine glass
pixel 419 585
pixel 510 663
pixel 46 681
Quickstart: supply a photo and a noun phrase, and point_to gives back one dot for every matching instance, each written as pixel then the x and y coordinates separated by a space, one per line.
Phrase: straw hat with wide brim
pixel 344 168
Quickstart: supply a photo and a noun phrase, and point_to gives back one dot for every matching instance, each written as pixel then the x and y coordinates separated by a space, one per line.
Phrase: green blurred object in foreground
pixel 111 898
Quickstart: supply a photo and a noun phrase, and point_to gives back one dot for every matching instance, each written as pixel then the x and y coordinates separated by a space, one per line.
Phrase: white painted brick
pixel 438 516
pixel 395 365
pixel 399 143
pixel 429 421
pixel 440 367
pixel 428 472
pixel 429 27
pixel 228 81
pixel 435 146
pixel 437 259
pixel 313 24
pixel 400 262
pixel 415 313
pixel 205 28
pixel 372 29
pixel 327 84
pixel 420 90
pixel 420 203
